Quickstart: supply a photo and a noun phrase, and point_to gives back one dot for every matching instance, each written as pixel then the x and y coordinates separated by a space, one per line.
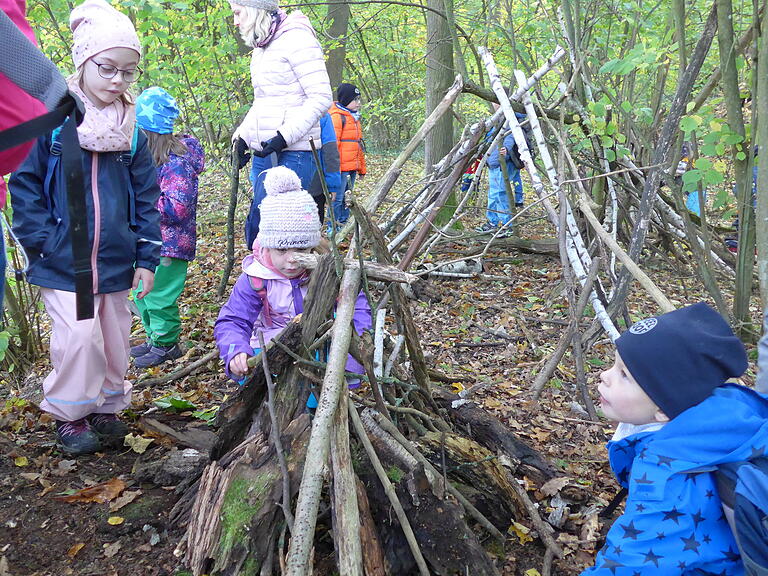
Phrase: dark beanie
pixel 680 357
pixel 345 93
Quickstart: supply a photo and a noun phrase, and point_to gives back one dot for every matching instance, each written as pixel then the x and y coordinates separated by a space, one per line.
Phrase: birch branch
pixel 298 560
pixel 374 270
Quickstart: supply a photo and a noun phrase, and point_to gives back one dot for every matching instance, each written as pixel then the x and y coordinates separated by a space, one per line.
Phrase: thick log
pixel 232 526
pixel 346 517
pixel 488 431
pixel 373 555
pixel 437 520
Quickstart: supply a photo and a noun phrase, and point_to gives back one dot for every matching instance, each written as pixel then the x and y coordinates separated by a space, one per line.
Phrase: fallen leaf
pixel 4 571
pixel 111 549
pixel 590 530
pixel 104 492
pixel 66 466
pixel 31 476
pixel 21 461
pixel 115 520
pixel 72 552
pixel 138 444
pixel 522 532
pixel 554 486
pixel 532 572
pixel 124 500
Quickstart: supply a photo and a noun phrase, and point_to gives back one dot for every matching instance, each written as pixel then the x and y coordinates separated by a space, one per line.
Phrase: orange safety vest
pixel 349 136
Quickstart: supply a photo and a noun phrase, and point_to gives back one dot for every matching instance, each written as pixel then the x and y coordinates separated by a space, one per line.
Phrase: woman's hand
pixel 238 366
pixel 276 145
pixel 243 153
pixel 147 279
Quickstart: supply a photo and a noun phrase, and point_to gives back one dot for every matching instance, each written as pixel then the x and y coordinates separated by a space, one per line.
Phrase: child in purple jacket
pixel 271 289
pixel 179 160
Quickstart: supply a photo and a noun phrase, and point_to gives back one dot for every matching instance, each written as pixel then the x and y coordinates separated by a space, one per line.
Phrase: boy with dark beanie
pixel 345 113
pixel 678 421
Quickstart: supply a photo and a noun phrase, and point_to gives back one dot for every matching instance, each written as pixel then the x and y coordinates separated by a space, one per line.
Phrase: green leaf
pixel 689 123
pixel 174 404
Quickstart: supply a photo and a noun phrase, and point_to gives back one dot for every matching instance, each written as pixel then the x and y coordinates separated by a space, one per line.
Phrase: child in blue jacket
pixel 329 162
pixel 678 421
pixel 86 387
pixel 179 160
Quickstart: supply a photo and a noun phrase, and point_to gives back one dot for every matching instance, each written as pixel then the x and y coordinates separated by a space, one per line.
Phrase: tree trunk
pixel 440 75
pixel 338 16
pixel 732 96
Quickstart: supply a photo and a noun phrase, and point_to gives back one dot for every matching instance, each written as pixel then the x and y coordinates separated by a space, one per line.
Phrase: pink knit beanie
pixel 288 213
pixel 96 26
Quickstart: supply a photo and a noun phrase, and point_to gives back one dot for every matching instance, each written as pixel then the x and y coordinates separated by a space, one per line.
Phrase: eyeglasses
pixel 107 71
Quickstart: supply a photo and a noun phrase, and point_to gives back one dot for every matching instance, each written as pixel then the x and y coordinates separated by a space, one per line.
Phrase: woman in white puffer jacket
pixel 291 92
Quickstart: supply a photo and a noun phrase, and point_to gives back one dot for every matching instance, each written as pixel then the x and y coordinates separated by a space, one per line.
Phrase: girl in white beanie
pixel 86 387
pixel 271 289
pixel 291 92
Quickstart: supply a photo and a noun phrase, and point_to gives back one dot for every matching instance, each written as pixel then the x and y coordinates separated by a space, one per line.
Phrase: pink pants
pixel 89 357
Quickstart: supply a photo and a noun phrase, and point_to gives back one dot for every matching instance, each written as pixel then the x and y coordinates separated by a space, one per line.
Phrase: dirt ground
pixel 496 331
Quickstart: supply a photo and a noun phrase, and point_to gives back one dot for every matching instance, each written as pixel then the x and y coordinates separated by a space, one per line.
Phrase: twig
pixel 544 530
pixel 276 436
pixel 188 369
pixel 389 490
pixel 478 344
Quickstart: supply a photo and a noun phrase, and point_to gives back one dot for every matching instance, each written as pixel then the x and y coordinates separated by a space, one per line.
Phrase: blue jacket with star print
pixel 673 522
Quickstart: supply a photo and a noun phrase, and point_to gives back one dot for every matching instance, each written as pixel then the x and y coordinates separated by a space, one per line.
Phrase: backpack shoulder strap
pixel 135 141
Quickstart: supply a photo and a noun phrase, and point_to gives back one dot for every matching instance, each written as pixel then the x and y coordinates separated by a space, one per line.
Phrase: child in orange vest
pixel 345 113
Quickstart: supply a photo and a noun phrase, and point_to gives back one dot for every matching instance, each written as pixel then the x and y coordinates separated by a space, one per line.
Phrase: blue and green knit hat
pixel 156 110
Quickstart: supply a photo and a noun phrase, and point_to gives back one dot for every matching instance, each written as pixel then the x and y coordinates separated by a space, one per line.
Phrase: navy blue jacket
pixel 124 196
pixel 493 157
pixel 673 521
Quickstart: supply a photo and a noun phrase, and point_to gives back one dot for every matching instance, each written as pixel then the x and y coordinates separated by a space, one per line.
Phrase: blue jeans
pixel 300 161
pixel 499 212
pixel 340 211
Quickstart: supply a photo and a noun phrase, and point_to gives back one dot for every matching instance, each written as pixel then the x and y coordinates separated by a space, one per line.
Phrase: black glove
pixel 243 154
pixel 276 145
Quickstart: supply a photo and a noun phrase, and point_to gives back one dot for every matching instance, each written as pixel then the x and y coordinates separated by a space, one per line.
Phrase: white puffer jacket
pixel 291 90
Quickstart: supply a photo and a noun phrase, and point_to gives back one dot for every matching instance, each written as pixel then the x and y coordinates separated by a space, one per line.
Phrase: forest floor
pixel 520 295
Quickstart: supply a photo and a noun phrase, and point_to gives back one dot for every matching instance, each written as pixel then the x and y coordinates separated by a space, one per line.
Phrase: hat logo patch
pixel 643 326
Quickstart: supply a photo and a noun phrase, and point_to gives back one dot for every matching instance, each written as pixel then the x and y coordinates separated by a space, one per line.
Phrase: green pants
pixel 160 308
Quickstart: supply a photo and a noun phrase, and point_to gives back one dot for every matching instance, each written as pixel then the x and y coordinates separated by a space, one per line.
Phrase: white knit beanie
pixel 96 26
pixel 268 5
pixel 288 214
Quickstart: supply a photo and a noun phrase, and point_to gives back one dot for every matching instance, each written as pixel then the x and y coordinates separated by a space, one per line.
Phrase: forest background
pixel 626 63
pixel 640 79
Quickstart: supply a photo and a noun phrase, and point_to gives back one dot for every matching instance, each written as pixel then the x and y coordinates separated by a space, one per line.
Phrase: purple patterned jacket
pixel 178 200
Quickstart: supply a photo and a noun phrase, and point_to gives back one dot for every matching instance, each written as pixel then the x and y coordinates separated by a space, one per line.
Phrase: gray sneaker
pixel 158 355
pixel 141 349
pixel 487 228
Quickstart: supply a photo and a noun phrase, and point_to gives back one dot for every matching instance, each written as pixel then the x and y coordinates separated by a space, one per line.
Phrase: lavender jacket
pixel 241 316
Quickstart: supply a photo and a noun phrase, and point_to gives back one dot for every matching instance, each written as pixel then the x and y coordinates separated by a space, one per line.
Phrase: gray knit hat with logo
pixel 268 5
pixel 288 214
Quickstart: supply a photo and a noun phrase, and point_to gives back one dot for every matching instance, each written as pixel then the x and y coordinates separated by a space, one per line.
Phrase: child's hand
pixel 503 151
pixel 147 279
pixel 238 366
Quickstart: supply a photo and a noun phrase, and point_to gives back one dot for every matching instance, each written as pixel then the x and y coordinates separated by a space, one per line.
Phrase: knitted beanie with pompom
pixel 288 214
